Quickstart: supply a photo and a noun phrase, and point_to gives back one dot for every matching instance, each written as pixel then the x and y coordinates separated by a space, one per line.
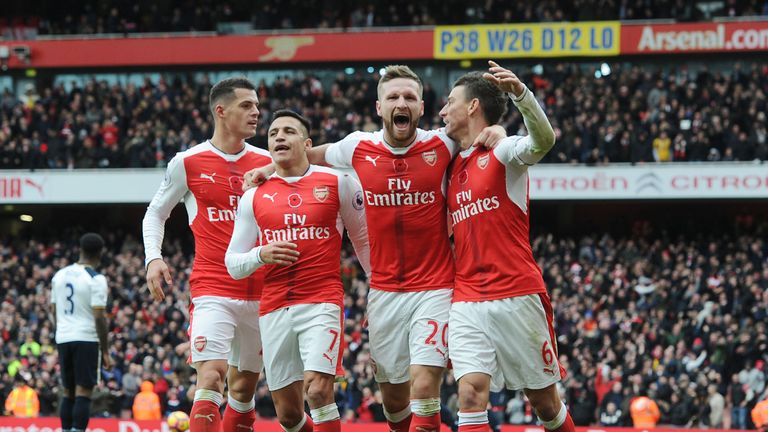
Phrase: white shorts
pixel 298 338
pixel 222 328
pixel 407 328
pixel 512 340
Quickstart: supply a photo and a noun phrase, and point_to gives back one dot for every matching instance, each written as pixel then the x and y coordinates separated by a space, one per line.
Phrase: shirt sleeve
pixel 339 154
pixel 528 150
pixel 99 291
pixel 352 211
pixel 171 191
pixel 242 258
pixel 53 288
pixel 452 145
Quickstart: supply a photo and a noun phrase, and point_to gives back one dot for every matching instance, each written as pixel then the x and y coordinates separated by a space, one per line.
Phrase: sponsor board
pixel 694 38
pixel 557 39
pixel 548 182
pixel 653 181
pixel 52 424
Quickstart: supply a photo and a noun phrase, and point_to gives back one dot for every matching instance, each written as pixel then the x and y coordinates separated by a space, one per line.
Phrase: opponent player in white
pixel 79 297
pixel 402 170
pixel 298 217
pixel 501 330
pixel 224 327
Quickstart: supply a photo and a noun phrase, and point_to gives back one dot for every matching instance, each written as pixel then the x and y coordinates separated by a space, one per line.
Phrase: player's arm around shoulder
pixel 340 153
pixel 352 209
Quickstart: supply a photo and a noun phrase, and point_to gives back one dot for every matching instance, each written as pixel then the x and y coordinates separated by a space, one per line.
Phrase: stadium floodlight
pixel 26 218
pixel 370 69
pixel 349 71
pixel 605 69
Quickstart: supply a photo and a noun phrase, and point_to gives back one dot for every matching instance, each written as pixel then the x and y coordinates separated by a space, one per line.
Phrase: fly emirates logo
pixel 223 215
pixel 296 229
pixel 469 208
pixel 399 195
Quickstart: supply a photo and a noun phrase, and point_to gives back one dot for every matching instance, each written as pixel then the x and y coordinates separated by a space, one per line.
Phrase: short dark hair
pixel 288 113
pixel 91 245
pixel 226 89
pixel 399 71
pixel 492 100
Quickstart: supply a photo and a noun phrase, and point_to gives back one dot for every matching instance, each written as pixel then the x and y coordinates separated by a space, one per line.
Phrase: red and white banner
pixel 222 50
pixel 52 424
pixel 651 181
pixel 79 186
pixel 694 38
pixel 548 182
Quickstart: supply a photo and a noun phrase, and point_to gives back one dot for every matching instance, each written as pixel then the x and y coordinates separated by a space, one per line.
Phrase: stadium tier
pixel 648 217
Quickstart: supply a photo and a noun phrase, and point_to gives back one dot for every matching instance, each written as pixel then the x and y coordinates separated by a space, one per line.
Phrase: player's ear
pixel 219 110
pixel 378 108
pixel 421 113
pixel 474 106
pixel 308 143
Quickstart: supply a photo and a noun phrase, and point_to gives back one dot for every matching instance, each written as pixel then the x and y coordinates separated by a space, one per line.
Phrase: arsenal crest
pixel 200 343
pixel 482 161
pixel 294 200
pixel 430 157
pixel 321 193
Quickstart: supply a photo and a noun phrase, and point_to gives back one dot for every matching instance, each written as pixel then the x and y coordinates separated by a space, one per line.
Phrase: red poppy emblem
pixel 463 177
pixel 294 200
pixel 236 183
pixel 400 165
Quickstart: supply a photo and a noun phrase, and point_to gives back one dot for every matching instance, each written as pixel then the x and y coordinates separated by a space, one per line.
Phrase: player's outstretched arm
pixel 541 136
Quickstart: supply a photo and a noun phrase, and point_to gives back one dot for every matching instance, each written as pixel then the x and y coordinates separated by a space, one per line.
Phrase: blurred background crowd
pixel 679 319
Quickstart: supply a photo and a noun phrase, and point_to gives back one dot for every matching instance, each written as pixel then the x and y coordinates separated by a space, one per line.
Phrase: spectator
pixel 146 404
pixel 645 413
pixel 609 119
pixel 662 151
pixel 760 415
pixel 716 403
pixel 22 401
pixel 738 403
pixel 610 415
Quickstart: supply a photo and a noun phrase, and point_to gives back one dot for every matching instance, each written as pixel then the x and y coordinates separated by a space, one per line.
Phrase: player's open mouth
pixel 281 147
pixel 253 123
pixel 402 121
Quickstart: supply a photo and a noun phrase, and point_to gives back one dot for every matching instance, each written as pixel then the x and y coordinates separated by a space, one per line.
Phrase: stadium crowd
pixel 681 320
pixel 90 17
pixel 632 114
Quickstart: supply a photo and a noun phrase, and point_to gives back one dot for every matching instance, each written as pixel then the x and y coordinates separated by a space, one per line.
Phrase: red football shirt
pixel 209 182
pixel 404 191
pixel 488 204
pixel 310 211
